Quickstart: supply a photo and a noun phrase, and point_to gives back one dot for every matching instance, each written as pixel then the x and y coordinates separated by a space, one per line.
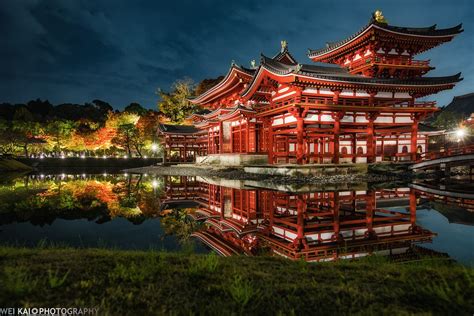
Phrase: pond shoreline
pixel 152 282
pixel 374 175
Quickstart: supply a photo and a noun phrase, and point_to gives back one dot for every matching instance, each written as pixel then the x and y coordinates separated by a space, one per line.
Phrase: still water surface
pixel 171 213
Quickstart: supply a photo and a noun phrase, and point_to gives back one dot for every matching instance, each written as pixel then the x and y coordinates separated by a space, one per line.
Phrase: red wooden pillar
pixel 414 138
pixel 209 151
pixel 336 132
pixel 354 147
pixel 301 210
pixel 240 137
pixel 247 136
pixel 370 205
pixel 299 138
pixel 323 150
pixel 335 98
pixel 221 201
pixel 370 138
pixel 270 141
pixel 221 137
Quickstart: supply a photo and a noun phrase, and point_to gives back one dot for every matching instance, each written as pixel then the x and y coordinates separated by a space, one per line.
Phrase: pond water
pixel 171 213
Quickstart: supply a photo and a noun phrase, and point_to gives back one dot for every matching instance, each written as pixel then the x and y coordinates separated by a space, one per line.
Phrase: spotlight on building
pixel 460 133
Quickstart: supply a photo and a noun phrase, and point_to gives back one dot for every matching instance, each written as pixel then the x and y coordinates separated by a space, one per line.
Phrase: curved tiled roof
pixel 340 74
pixel 419 31
pixel 177 129
pixel 248 71
pixel 285 52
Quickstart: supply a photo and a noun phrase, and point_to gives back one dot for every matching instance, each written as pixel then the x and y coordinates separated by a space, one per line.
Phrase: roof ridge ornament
pixel 253 64
pixel 378 17
pixel 284 45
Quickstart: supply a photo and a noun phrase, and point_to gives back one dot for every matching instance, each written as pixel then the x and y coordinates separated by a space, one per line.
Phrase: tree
pixel 448 120
pixel 59 132
pixel 135 108
pixel 102 106
pixel 40 108
pixel 175 105
pixel 126 133
pixel 7 137
pixel 207 84
pixel 23 114
pixel 26 133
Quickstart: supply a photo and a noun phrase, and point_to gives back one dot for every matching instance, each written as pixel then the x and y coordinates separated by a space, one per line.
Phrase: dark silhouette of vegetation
pixel 207 84
pixel 448 120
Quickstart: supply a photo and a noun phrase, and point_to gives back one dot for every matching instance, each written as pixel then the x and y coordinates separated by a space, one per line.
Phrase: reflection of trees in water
pixel 41 201
pixel 177 222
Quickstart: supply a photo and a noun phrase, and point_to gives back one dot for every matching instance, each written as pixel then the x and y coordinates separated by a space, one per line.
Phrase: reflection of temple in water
pixel 317 226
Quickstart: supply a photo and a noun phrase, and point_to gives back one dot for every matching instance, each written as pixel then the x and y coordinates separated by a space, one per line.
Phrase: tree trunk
pixel 137 148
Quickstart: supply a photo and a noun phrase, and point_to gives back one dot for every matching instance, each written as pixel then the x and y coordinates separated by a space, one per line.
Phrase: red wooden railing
pixel 469 149
pixel 316 100
pixel 390 61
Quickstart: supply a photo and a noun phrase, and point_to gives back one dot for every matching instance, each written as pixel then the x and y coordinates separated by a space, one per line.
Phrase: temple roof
pixel 285 54
pixel 229 79
pixel 424 32
pixel 177 129
pixel 339 74
pixel 463 104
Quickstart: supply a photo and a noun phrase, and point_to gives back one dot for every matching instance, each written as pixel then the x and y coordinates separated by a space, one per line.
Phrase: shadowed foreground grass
pixel 140 283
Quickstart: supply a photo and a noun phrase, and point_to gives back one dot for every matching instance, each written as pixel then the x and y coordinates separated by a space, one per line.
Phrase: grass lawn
pixel 151 282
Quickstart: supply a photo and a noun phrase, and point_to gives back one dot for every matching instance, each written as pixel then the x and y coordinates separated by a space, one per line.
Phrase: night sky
pixel 122 51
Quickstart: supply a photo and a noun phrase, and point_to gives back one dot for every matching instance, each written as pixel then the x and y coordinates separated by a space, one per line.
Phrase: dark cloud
pixel 121 51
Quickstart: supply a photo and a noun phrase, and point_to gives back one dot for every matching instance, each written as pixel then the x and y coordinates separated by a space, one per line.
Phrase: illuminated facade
pixel 361 106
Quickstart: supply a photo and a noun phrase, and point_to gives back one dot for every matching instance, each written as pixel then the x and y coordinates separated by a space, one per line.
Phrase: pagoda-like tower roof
pixel 418 39
pixel 333 76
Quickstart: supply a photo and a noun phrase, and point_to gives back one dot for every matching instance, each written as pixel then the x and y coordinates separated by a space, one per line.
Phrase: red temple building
pixel 361 105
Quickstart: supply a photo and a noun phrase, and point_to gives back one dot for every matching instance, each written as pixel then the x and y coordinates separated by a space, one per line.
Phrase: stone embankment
pixel 236 173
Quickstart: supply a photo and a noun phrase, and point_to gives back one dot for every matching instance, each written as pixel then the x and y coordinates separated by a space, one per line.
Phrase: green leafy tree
pixel 60 132
pixel 448 120
pixel 26 134
pixel 7 137
pixel 175 105
pixel 125 137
